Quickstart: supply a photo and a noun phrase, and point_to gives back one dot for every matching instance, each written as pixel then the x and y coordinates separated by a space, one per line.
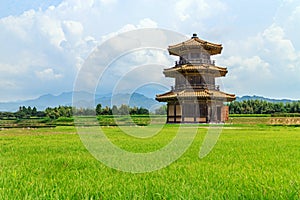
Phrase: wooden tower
pixel 195 98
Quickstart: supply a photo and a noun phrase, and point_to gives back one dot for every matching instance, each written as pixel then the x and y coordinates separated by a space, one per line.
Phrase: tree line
pixel 68 111
pixel 235 107
pixel 23 112
pixel 263 107
pixel 122 110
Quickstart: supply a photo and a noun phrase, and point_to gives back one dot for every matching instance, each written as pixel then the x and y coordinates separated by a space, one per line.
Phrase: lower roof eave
pixel 172 99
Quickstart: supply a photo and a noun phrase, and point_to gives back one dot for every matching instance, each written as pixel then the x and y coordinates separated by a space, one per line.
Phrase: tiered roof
pixel 196 68
pixel 199 94
pixel 195 43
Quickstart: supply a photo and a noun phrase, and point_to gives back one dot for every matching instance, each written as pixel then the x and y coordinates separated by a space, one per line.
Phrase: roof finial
pixel 195 35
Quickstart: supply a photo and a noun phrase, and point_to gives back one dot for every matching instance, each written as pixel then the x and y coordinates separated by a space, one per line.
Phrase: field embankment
pixel 140 120
pixel 263 119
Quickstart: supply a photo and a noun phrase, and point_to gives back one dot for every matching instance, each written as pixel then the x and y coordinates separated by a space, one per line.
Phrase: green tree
pixel 142 111
pixel 134 111
pixel 98 109
pixel 124 110
pixel 106 111
pixel 115 110
pixel 34 111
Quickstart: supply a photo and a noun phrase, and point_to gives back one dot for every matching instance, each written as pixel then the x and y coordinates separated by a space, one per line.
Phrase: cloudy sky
pixel 44 43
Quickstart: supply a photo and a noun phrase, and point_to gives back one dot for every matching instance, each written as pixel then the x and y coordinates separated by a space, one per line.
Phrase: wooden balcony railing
pixel 201 61
pixel 197 86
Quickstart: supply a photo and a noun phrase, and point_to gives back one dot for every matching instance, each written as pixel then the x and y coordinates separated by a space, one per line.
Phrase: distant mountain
pixel 42 102
pixel 135 99
pixel 254 97
pixel 65 99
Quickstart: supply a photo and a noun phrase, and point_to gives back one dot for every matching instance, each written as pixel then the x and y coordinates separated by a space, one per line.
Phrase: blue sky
pixel 45 43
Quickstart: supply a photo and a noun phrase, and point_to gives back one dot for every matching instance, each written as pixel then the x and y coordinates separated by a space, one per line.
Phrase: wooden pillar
pixel 208 113
pixel 174 112
pixel 178 113
pixel 225 113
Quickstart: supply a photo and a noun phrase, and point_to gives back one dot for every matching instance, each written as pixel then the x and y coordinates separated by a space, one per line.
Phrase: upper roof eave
pixel 212 48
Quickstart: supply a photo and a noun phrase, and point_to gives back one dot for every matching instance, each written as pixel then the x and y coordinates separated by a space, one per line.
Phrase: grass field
pixel 248 162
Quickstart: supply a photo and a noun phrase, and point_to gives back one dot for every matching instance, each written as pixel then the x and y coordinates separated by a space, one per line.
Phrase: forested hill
pixel 257 106
pixel 254 97
pixel 262 105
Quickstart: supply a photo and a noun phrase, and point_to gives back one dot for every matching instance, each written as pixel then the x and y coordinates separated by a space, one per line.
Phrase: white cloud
pixel 8 84
pixel 295 14
pixel 266 64
pixel 72 30
pixel 274 37
pixel 48 74
pixel 6 69
pixel 107 2
pixel 198 9
pixel 147 23
pixel 50 29
pixel 143 23
pixel 57 37
pixel 55 42
pixel 247 75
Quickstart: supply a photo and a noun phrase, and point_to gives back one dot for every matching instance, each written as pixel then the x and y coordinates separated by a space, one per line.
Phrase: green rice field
pixel 248 162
